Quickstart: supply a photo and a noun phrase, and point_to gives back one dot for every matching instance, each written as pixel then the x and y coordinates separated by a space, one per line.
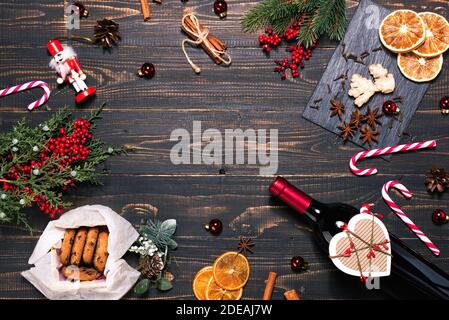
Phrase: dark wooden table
pixel 246 95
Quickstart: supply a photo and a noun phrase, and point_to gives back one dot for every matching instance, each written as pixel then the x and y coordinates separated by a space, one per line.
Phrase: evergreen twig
pixel 24 145
pixel 320 17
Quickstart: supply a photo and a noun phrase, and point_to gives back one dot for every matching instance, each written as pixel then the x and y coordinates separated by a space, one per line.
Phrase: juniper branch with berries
pixel 318 17
pixel 37 164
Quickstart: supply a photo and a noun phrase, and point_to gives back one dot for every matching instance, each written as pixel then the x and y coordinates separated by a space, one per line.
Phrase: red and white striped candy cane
pixel 26 86
pixel 383 151
pixel 366 208
pixel 393 206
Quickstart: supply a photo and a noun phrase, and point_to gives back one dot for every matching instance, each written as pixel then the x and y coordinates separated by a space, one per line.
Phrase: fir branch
pixel 275 13
pixel 307 35
pixel 320 17
pixel 336 30
pixel 306 5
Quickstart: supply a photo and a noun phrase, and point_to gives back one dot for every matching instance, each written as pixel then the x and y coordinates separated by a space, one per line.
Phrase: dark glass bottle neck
pixel 314 212
pixel 297 199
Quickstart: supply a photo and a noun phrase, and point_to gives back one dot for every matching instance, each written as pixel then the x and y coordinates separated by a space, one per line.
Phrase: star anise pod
pixel 372 117
pixel 437 179
pixel 245 245
pixel 347 131
pixel 106 33
pixel 337 108
pixel 368 135
pixel 356 118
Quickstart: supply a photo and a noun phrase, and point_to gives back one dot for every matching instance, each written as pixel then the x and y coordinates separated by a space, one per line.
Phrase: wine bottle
pixel 408 267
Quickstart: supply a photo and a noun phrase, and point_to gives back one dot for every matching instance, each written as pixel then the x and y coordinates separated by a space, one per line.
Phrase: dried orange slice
pixel 402 31
pixel 418 68
pixel 437 35
pixel 231 270
pixel 201 281
pixel 214 292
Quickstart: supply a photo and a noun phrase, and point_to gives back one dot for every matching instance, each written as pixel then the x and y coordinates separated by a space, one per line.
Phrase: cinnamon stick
pixel 291 295
pixel 269 286
pixel 216 43
pixel 146 10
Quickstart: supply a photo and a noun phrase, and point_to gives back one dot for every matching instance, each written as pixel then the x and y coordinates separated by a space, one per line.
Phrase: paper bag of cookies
pixel 79 256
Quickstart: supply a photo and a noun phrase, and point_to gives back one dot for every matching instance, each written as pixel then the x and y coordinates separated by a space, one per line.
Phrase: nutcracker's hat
pixel 54 47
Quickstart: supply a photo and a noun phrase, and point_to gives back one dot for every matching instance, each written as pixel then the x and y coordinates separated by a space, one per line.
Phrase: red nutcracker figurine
pixel 65 63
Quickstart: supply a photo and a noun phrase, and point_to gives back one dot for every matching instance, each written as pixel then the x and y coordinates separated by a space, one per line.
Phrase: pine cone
pixel 150 266
pixel 437 179
pixel 106 32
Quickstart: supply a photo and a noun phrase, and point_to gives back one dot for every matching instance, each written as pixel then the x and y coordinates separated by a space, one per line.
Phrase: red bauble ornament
pixel 82 11
pixel 390 108
pixel 439 217
pixel 215 226
pixel 444 105
pixel 221 8
pixel 147 70
pixel 297 264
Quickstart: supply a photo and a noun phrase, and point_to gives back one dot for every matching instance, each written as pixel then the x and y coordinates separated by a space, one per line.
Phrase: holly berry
pixel 215 226
pixel 439 217
pixel 221 8
pixel 297 264
pixel 266 48
pixel 444 105
pixel 147 70
pixel 390 108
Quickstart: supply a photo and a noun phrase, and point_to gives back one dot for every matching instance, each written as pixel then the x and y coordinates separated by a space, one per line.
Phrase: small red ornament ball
pixel 444 105
pixel 390 108
pixel 221 8
pixel 215 226
pixel 439 217
pixel 297 264
pixel 82 11
pixel 147 70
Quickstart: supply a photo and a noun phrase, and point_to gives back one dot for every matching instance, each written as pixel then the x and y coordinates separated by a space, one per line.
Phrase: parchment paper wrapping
pixel 119 276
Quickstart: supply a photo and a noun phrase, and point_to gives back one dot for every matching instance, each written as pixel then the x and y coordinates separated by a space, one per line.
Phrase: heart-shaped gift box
pixel 363 247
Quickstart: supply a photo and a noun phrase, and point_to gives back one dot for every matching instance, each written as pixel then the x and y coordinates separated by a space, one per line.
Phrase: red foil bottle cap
pixel 291 195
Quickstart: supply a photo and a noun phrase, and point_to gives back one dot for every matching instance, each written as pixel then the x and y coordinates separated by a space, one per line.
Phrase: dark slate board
pixel 361 35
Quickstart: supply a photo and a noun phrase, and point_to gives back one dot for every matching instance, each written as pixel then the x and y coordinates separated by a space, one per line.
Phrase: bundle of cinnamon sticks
pixel 210 43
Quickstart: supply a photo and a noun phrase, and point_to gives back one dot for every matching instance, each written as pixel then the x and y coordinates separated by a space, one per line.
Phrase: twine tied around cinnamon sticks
pixel 200 35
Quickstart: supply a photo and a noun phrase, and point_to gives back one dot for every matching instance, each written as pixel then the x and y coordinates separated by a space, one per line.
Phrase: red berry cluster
pixel 298 53
pixel 71 148
pixel 269 40
pixel 67 149
pixel 45 206
pixel 292 32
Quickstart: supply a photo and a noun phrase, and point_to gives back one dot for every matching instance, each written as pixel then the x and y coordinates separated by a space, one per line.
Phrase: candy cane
pixel 366 208
pixel 26 86
pixel 407 194
pixel 383 151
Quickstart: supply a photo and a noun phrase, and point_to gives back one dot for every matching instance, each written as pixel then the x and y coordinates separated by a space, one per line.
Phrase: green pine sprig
pixel 320 17
pixel 24 144
pixel 161 234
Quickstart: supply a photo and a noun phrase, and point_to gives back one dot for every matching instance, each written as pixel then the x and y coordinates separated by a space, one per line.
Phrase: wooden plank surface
pixel 246 95
pixel 362 35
